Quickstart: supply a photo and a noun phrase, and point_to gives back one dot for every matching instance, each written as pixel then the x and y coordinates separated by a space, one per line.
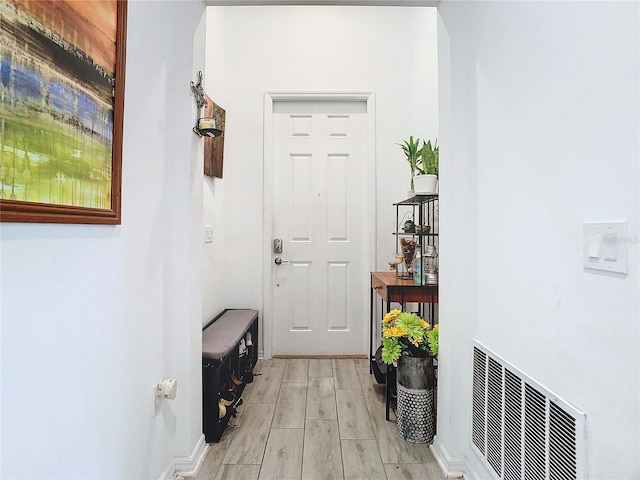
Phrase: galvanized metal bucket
pixel 416 399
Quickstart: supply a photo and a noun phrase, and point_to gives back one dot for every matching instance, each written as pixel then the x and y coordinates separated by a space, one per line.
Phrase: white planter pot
pixel 425 184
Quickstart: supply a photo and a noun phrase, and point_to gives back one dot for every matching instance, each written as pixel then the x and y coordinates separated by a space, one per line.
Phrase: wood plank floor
pixel 315 419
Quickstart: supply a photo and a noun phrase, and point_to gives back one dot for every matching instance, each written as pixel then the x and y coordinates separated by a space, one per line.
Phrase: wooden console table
pixel 396 290
pixel 393 289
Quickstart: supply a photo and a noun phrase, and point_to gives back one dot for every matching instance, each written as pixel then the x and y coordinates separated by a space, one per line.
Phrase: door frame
pixel 267 190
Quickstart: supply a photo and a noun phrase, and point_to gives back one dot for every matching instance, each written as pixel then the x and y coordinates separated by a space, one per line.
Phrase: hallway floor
pixel 316 420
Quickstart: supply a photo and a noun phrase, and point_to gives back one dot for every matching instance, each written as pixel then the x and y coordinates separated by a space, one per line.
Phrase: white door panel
pixel 319 211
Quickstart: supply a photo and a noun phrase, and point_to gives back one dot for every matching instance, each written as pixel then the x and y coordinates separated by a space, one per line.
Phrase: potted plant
pixel 413 152
pixel 413 344
pixel 427 167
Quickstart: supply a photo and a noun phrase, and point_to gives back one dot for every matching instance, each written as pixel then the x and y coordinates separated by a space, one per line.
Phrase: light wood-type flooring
pixel 315 420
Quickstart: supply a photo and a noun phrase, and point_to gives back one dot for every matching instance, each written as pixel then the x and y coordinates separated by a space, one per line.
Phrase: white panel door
pixel 320 290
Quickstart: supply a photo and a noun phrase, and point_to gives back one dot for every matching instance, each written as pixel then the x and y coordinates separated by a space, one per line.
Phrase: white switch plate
pixel 604 246
pixel 208 234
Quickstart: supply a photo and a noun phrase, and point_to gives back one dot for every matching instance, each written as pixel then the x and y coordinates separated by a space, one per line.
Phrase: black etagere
pixel 421 212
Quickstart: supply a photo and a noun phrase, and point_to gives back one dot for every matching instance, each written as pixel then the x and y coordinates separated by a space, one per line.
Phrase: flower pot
pixel 425 184
pixel 416 399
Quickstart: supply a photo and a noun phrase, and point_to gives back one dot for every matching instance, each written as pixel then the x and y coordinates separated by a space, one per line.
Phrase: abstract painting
pixel 214 146
pixel 61 110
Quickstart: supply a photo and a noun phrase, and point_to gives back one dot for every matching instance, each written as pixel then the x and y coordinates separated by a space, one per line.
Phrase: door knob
pixel 279 261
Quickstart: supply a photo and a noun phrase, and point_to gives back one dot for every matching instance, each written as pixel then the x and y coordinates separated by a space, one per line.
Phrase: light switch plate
pixel 604 246
pixel 208 234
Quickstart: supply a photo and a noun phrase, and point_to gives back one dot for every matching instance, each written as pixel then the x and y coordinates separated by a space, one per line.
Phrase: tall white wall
pixel 213 274
pixel 390 51
pixel 539 130
pixel 94 316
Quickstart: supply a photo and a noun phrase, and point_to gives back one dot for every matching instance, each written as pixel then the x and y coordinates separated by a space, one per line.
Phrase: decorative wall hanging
pixel 214 146
pixel 210 126
pixel 62 66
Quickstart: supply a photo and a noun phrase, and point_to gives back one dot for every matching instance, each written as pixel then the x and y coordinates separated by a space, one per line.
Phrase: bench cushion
pixel 223 335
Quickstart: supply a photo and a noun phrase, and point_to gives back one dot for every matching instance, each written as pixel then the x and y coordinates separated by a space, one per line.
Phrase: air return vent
pixel 522 430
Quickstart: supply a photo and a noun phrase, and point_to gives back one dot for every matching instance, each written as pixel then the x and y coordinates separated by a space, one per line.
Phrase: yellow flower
pixel 393 332
pixel 424 324
pixel 392 315
pixel 437 328
pixel 416 341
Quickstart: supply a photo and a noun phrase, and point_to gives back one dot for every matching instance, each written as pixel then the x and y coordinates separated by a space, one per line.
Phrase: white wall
pixel 213 299
pixel 390 51
pixel 94 316
pixel 539 133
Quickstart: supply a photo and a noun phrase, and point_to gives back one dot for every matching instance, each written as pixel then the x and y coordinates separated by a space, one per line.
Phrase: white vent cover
pixel 522 430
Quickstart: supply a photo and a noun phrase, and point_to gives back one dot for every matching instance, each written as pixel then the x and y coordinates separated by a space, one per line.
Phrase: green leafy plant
pixel 413 152
pixel 409 227
pixel 407 333
pixel 433 338
pixel 391 350
pixel 429 161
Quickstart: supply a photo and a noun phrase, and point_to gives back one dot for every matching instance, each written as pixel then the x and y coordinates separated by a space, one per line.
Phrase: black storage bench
pixel 226 367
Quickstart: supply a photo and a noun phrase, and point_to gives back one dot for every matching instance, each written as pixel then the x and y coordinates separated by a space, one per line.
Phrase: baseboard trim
pixel 169 472
pixel 452 468
pixel 187 466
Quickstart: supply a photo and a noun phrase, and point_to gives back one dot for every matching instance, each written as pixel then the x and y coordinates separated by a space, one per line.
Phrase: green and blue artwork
pixel 56 101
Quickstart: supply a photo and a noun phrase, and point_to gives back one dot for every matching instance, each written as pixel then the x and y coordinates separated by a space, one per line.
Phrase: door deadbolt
pixel 277 245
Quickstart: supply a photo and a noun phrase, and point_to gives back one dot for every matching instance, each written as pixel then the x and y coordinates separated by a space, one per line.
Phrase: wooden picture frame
pixel 61 110
pixel 214 146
